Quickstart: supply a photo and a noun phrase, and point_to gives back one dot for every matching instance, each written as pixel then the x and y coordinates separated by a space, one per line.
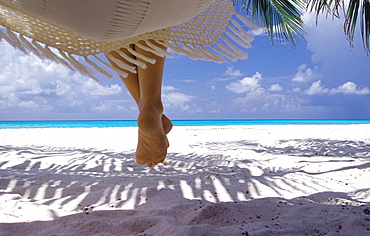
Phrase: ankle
pixel 156 107
pixel 150 116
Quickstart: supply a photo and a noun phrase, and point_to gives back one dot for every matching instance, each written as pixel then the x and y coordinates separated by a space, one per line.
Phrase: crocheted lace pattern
pixel 217 34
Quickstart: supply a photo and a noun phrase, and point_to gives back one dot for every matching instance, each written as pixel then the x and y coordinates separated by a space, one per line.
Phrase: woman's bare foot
pixel 167 124
pixel 153 143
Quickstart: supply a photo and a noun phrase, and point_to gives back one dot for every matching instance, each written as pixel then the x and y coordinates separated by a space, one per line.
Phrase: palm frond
pixel 283 23
pixel 324 6
pixel 357 10
pixel 281 18
pixel 365 25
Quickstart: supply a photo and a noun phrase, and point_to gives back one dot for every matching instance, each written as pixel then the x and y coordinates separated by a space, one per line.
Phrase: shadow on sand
pixel 107 193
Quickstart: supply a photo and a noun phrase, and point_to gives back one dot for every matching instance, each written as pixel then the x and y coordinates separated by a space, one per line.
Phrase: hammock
pixel 212 31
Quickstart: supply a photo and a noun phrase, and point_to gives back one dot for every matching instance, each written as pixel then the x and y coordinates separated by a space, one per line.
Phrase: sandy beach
pixel 227 180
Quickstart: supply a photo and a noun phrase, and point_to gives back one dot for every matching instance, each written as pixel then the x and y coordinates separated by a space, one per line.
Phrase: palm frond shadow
pixel 302 147
pixel 75 180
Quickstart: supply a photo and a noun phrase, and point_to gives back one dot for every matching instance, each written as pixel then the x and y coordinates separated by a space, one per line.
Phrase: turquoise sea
pixel 132 123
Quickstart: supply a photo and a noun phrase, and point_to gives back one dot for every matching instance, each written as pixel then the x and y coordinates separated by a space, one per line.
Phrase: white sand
pixel 235 180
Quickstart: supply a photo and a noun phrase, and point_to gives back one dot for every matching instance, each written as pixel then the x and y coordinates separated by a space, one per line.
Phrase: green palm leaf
pixel 356 10
pixel 281 18
pixel 322 6
pixel 283 23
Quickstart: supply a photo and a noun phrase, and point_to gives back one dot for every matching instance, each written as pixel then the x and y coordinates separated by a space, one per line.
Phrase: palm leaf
pixel 356 10
pixel 322 6
pixel 281 18
pixel 283 23
pixel 365 25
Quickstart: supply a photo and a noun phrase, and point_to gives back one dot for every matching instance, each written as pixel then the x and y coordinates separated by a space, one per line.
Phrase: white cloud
pixel 350 88
pixel 170 97
pixel 347 89
pixel 191 110
pixel 275 87
pixel 95 89
pixel 231 72
pixel 167 88
pixel 176 98
pixel 29 83
pixel 260 100
pixel 189 80
pixel 101 107
pixel 112 106
pixel 258 32
pixel 327 42
pixel 321 36
pixel 248 84
pixel 304 74
pixel 296 89
pixel 176 101
pixel 316 88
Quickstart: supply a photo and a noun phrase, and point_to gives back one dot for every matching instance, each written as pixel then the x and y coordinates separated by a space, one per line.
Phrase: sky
pixel 321 78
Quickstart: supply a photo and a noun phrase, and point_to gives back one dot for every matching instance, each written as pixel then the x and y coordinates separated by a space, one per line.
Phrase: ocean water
pixel 132 123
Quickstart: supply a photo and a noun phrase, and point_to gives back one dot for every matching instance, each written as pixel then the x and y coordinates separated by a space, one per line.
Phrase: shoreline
pixel 264 180
pixel 132 123
pixel 124 138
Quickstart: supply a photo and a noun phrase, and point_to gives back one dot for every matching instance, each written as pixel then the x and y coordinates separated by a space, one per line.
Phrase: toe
pixel 140 163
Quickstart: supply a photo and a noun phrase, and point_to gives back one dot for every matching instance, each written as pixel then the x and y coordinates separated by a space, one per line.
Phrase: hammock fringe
pixel 74 65
pixel 30 47
pixel 121 64
pixel 139 55
pixel 132 60
pixel 108 66
pixel 227 46
pixel 98 69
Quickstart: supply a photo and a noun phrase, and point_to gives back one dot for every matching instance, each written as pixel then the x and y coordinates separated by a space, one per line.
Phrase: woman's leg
pixel 132 84
pixel 153 143
pixel 145 88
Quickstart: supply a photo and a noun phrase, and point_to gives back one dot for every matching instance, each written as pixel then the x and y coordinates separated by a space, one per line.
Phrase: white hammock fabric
pixel 65 31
